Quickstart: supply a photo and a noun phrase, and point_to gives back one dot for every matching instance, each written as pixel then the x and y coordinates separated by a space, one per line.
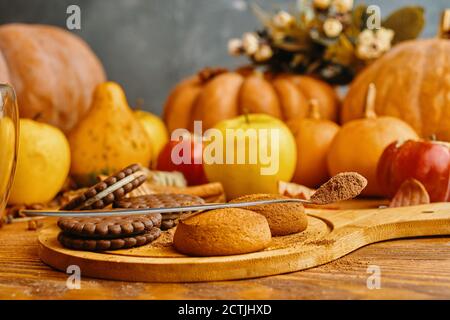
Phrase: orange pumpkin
pixel 413 84
pixel 359 144
pixel 53 72
pixel 214 95
pixel 313 136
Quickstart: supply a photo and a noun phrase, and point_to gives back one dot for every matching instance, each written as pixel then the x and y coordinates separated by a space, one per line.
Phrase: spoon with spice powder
pixel 343 186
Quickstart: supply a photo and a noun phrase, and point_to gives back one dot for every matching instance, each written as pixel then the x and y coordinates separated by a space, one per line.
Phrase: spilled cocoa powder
pixel 322 242
pixel 343 186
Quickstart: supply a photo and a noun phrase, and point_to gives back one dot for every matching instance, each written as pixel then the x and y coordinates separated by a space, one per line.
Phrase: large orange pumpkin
pixel 53 72
pixel 413 84
pixel 216 94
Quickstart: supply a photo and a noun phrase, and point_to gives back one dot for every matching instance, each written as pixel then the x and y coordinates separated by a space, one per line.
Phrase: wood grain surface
pixel 413 268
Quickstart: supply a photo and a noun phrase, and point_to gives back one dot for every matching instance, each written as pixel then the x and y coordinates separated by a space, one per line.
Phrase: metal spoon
pixel 337 185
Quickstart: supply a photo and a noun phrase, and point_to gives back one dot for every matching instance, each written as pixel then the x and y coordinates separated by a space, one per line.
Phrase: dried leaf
pixel 210 192
pixel 412 192
pixel 297 34
pixel 294 190
pixel 359 17
pixel 164 178
pixel 342 52
pixel 320 38
pixel 407 23
pixel 289 46
pixel 263 16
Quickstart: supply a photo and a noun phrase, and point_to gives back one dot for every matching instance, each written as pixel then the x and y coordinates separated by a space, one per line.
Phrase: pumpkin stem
pixel 139 104
pixel 208 73
pixel 314 112
pixel 444 27
pixel 370 102
pixel 37 116
pixel 246 70
pixel 245 111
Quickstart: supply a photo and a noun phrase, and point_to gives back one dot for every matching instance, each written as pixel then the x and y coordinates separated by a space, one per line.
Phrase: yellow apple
pixel 156 131
pixel 249 154
pixel 43 163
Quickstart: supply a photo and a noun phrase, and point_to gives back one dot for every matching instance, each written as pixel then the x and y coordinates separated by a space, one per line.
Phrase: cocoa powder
pixel 343 186
pixel 322 242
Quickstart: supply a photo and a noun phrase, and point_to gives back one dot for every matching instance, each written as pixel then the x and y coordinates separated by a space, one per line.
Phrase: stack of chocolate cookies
pixel 109 233
pixel 119 232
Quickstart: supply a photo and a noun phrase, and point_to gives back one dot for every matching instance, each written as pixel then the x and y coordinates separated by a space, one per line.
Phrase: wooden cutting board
pixel 330 235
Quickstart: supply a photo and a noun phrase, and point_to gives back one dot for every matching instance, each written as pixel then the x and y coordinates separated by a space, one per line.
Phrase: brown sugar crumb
pixel 164 240
pixel 323 242
pixel 34 225
pixel 343 186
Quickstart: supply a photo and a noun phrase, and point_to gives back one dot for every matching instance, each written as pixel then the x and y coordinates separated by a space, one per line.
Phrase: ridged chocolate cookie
pixel 162 200
pixel 159 200
pixel 109 227
pixel 73 242
pixel 107 191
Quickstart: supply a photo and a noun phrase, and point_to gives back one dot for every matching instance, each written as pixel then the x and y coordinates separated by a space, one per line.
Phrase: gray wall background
pixel 149 45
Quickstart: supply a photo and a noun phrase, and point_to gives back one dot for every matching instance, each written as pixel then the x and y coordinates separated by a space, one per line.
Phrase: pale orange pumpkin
pixel 53 72
pixel 359 144
pixel 413 84
pixel 214 95
pixel 313 136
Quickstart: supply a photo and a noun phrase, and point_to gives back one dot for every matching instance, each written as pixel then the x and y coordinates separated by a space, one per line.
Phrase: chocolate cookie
pixel 160 200
pixel 168 224
pixel 108 190
pixel 109 227
pixel 72 242
pixel 163 200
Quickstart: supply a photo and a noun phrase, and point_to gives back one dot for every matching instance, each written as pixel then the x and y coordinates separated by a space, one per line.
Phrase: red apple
pixel 173 158
pixel 426 161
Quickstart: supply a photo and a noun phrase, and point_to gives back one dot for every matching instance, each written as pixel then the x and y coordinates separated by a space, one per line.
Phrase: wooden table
pixel 410 269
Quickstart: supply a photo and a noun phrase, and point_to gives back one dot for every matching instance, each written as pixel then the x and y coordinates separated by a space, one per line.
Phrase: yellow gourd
pixel 360 143
pixel 313 136
pixel 109 137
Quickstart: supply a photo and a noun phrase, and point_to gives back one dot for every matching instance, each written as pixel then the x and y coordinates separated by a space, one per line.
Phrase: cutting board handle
pixel 373 225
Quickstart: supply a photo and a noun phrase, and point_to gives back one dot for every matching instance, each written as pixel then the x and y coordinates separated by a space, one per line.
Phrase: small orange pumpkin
pixel 313 136
pixel 214 95
pixel 359 144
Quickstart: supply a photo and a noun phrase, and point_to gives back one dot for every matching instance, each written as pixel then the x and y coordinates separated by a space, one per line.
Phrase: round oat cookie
pixel 283 218
pixel 109 227
pixel 98 197
pixel 72 242
pixel 222 232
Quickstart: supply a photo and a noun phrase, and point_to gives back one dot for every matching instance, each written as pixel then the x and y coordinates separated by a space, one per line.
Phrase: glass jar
pixel 9 137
